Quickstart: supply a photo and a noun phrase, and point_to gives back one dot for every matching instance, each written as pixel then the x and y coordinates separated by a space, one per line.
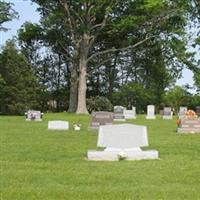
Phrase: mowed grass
pixel 47 165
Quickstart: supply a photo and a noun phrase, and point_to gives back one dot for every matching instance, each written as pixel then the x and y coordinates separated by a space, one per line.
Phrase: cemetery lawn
pixel 51 165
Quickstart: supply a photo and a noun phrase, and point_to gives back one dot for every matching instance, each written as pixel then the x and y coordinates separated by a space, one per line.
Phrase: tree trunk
pixel 82 87
pixel 73 100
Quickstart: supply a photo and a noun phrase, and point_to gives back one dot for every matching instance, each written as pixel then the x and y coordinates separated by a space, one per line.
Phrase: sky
pixel 27 12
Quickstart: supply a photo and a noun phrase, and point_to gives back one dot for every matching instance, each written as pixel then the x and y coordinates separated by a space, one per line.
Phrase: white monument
pixel 150 112
pixel 182 111
pixel 122 141
pixel 119 113
pixel 130 114
pixel 58 125
pixel 33 115
pixel 167 113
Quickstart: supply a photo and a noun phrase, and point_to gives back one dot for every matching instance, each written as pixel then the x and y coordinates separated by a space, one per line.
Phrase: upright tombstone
pixel 198 111
pixel 33 115
pixel 167 113
pixel 58 125
pixel 119 113
pixel 122 141
pixel 130 114
pixel 182 111
pixel 150 112
pixel 189 125
pixel 101 118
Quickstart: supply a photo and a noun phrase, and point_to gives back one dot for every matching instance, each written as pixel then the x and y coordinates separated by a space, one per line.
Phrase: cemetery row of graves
pixel 124 141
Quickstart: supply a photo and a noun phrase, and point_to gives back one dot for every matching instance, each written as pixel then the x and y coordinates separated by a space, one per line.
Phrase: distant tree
pixel 176 97
pixel 6 14
pixel 18 87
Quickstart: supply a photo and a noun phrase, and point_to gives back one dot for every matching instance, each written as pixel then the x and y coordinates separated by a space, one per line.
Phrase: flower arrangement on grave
pixel 77 126
pixel 190 114
pixel 178 122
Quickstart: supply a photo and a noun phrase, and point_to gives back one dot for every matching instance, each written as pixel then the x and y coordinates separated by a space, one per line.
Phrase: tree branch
pixel 119 49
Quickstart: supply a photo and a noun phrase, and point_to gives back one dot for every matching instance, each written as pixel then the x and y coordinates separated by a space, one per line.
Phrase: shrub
pixel 99 103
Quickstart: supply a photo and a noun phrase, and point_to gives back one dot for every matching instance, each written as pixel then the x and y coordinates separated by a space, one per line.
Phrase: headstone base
pixel 150 117
pixel 167 117
pixel 115 155
pixel 35 120
pixel 120 120
pixel 188 130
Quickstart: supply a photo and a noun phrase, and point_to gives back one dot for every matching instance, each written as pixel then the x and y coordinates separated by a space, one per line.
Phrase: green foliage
pixel 6 13
pixel 132 94
pixel 99 103
pixel 177 97
pixel 18 85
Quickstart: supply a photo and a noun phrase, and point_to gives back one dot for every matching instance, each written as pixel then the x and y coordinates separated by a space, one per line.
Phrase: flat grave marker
pixel 58 125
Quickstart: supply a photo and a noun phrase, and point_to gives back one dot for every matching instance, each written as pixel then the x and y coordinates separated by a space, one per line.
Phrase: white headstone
pixel 182 111
pixel 58 125
pixel 119 113
pixel 150 112
pixel 167 113
pixel 122 140
pixel 33 115
pixel 130 114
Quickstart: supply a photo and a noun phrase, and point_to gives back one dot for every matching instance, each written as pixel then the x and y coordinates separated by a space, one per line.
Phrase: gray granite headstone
pixel 101 118
pixel 198 110
pixel 167 113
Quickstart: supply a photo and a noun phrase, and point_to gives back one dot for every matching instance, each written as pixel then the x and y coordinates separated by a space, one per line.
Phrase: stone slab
pixel 58 125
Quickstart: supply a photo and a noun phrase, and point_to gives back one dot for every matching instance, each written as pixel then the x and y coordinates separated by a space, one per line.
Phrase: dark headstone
pixel 101 118
pixel 167 113
pixel 198 110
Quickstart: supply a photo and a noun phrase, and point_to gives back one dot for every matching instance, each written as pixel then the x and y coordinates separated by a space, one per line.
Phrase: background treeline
pixel 36 71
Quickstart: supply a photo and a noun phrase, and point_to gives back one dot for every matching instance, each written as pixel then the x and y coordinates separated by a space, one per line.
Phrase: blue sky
pixel 27 12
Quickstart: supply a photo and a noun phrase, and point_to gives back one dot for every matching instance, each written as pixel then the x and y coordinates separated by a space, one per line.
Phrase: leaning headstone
pixel 182 112
pixel 119 113
pixel 33 115
pixel 58 125
pixel 189 126
pixel 150 112
pixel 122 141
pixel 198 111
pixel 130 114
pixel 167 113
pixel 101 118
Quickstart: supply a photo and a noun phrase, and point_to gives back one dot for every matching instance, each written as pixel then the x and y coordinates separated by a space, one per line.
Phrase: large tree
pixel 86 23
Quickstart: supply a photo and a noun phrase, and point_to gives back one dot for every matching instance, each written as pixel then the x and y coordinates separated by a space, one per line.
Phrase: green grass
pixel 48 165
